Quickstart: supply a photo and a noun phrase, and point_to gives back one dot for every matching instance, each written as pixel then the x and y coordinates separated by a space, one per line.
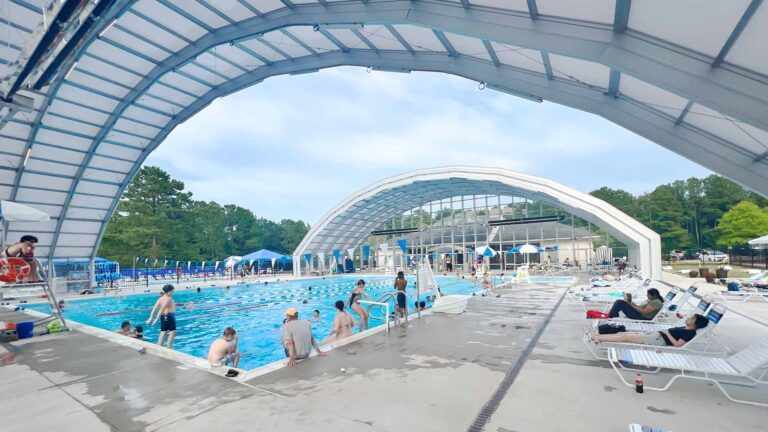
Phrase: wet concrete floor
pixel 435 374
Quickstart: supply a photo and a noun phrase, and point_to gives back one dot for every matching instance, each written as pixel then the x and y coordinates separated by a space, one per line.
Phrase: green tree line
pixel 706 213
pixel 156 218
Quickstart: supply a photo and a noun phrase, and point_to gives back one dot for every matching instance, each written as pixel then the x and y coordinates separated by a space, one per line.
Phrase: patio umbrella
pixel 486 251
pixel 759 243
pixel 526 249
pixel 15 212
pixel 232 261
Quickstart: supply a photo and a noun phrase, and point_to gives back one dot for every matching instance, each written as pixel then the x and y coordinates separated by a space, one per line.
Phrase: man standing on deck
pixel 297 337
pixel 401 304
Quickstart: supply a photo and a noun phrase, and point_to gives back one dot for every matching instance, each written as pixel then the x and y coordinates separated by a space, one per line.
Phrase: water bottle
pixel 639 383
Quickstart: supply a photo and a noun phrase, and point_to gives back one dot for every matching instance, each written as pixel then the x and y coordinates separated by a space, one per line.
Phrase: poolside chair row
pixel 605 295
pixel 703 341
pixel 702 358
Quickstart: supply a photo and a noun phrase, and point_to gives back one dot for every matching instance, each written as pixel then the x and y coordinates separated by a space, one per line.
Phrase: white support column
pixel 297 265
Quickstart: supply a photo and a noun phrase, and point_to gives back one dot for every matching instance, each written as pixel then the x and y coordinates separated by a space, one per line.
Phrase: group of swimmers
pixel 297 336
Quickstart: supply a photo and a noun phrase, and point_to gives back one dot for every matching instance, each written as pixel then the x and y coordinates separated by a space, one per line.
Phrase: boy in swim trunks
pixel 167 316
pixel 224 350
pixel 400 284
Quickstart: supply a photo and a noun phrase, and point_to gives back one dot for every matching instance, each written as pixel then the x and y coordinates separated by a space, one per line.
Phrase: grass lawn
pixel 736 273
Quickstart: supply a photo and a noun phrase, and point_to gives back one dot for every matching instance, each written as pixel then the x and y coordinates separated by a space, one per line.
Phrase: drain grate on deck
pixel 490 407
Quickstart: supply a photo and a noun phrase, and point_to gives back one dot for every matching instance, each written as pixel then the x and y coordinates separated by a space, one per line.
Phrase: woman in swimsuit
pixel 342 324
pixel 354 297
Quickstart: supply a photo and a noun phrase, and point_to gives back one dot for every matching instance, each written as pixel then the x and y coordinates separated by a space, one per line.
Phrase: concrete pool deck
pixel 436 374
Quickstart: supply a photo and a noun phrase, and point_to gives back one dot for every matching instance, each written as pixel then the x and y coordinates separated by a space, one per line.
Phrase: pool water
pixel 254 310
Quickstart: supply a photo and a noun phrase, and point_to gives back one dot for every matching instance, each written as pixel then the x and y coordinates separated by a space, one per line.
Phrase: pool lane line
pixel 149 308
pixel 234 310
pixel 212 306
pixel 490 407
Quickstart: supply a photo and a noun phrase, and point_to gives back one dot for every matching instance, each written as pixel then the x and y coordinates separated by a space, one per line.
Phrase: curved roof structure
pixel 350 223
pixel 84 101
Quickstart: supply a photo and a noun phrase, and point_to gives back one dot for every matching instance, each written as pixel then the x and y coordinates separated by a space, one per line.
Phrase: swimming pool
pixel 254 310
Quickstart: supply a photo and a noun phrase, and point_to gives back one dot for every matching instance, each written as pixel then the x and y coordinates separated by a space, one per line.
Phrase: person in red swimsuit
pixel 24 249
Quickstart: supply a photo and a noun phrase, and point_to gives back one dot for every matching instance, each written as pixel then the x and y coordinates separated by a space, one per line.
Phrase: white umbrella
pixel 759 243
pixel 529 249
pixel 15 212
pixel 485 251
pixel 231 261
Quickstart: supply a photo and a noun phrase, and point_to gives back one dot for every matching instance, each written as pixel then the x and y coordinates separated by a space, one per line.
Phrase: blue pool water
pixel 254 310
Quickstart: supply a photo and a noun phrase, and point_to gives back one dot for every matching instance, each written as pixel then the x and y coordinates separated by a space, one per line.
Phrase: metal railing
pixel 380 304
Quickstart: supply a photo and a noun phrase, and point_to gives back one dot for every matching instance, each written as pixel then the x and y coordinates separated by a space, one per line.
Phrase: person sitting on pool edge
pixel 676 336
pixel 632 311
pixel 223 350
pixel 297 337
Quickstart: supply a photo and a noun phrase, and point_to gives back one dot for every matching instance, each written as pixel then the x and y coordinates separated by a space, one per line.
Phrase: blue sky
pixel 294 146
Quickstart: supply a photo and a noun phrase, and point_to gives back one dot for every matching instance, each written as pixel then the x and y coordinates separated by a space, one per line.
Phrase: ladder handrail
pixel 374 303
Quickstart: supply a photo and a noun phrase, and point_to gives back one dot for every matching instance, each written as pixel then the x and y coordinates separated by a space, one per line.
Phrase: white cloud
pixel 295 146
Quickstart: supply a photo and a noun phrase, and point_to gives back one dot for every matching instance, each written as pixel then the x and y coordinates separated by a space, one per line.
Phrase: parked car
pixel 693 254
pixel 714 256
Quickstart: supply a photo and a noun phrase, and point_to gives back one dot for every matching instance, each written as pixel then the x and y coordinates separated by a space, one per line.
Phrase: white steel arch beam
pixel 644 244
pixel 681 139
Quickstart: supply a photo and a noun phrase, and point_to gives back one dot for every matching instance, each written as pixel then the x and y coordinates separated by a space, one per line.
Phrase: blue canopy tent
pixel 265 255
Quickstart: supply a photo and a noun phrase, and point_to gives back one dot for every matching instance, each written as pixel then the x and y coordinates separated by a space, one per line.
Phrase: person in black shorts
pixel 166 315
pixel 400 284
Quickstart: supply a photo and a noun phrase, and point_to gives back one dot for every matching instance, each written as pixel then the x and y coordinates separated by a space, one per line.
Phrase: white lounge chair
pixel 592 299
pixel 676 301
pixel 744 294
pixel 744 365
pixel 702 308
pixel 701 343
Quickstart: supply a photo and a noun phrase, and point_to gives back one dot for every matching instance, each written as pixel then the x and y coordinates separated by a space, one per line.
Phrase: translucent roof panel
pixel 601 11
pixel 689 75
pixel 749 51
pixel 519 57
pixel 660 99
pixel 689 23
